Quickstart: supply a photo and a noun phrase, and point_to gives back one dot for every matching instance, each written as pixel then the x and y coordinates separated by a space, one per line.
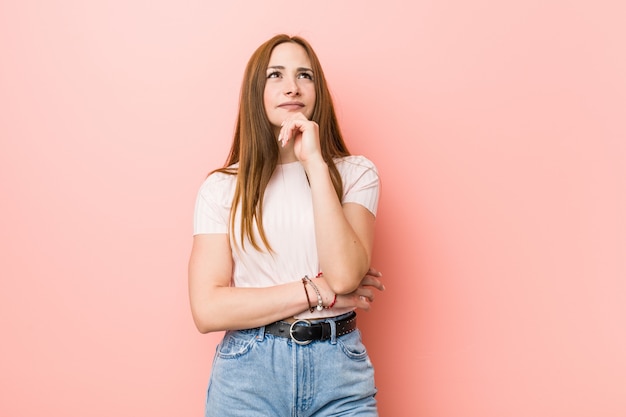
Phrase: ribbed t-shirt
pixel 287 221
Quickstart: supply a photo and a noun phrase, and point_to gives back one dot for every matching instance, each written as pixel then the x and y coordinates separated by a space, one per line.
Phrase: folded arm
pixel 216 305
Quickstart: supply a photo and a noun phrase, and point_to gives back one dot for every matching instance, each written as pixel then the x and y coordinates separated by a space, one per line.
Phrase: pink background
pixel 499 131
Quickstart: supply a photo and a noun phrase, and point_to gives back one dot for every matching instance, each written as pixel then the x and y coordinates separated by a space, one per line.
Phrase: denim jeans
pixel 257 374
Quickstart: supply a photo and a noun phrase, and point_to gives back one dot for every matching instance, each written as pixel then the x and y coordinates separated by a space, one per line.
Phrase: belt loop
pixel 333 331
pixel 261 335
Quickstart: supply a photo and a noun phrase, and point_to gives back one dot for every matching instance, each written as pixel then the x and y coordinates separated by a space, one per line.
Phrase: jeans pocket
pixel 236 344
pixel 352 345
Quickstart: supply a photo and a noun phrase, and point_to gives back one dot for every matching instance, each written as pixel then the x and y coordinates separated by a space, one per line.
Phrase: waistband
pixel 303 331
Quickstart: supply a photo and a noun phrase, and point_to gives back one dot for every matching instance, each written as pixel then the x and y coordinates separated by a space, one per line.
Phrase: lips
pixel 291 105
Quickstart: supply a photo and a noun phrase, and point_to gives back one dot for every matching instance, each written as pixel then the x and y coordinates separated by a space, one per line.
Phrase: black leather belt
pixel 304 332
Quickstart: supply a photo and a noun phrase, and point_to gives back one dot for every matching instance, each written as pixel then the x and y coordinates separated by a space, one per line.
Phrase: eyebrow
pixel 281 67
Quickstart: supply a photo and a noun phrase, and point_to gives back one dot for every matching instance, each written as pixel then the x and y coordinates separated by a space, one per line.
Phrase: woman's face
pixel 290 84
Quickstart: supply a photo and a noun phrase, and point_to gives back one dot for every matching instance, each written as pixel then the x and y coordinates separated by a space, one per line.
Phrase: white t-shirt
pixel 287 220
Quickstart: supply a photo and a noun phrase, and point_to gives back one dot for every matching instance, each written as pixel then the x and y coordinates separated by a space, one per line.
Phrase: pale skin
pixel 344 233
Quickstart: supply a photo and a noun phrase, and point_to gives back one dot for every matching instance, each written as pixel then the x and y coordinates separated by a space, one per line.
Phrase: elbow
pixel 342 288
pixel 203 329
pixel 346 282
pixel 204 324
pixel 346 278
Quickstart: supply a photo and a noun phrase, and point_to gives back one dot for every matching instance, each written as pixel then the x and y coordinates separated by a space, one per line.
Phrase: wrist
pixel 315 166
pixel 319 305
pixel 316 298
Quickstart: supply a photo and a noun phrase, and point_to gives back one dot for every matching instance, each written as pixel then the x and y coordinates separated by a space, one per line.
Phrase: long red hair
pixel 255 148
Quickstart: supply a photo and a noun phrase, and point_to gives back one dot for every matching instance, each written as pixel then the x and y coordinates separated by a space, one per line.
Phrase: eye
pixel 274 74
pixel 306 75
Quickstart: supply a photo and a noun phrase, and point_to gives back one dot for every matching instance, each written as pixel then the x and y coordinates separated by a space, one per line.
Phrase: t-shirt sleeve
pixel 212 209
pixel 361 183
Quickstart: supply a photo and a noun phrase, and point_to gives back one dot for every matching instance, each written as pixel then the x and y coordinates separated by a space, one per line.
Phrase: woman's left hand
pixel 305 136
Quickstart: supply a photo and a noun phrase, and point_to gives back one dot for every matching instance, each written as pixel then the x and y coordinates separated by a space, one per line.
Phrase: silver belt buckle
pixel 304 342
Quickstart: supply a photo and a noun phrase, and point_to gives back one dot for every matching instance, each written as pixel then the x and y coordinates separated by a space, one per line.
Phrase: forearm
pixel 344 256
pixel 233 308
pixel 216 306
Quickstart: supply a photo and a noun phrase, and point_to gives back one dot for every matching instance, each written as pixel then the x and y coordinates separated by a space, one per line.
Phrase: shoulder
pixel 352 164
pixel 361 183
pixel 219 182
pixel 357 173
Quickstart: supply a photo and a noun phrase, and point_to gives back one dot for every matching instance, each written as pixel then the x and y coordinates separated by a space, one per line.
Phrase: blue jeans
pixel 257 374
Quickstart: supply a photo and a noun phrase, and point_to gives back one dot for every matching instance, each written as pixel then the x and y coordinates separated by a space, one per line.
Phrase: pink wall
pixel 499 130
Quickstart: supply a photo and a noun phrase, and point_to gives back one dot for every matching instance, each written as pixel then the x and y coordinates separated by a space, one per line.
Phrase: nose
pixel 291 88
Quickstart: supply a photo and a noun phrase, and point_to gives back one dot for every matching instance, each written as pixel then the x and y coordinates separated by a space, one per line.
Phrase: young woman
pixel 283 238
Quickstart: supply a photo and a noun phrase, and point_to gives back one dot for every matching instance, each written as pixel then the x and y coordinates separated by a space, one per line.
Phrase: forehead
pixel 289 54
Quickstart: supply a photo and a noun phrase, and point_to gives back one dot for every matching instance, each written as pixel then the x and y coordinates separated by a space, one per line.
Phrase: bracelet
pixel 320 303
pixel 331 305
pixel 311 309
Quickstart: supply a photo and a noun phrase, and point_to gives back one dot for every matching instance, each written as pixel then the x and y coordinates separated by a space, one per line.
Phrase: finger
pixel 280 133
pixel 374 272
pixel 366 294
pixel 291 127
pixel 285 132
pixel 363 303
pixel 373 282
pixel 379 285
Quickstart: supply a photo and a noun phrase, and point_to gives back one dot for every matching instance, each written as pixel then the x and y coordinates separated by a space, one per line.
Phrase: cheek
pixel 269 91
pixel 266 98
pixel 268 104
pixel 313 101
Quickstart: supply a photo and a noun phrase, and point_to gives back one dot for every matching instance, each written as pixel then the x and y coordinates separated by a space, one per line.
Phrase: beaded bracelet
pixel 320 303
pixel 331 305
